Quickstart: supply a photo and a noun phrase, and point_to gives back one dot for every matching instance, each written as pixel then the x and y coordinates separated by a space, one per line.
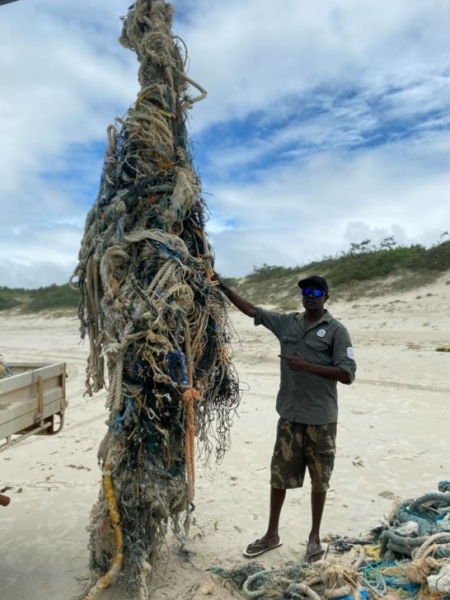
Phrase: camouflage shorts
pixel 299 446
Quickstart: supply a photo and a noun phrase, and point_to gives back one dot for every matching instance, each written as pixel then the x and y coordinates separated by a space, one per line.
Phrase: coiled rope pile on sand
pixel 153 315
pixel 408 556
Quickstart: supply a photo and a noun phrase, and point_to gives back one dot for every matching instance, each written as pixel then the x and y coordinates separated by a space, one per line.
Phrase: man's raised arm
pixel 241 304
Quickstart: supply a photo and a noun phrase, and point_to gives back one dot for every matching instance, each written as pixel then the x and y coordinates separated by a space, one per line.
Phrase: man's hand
pixel 241 304
pixel 215 279
pixel 296 362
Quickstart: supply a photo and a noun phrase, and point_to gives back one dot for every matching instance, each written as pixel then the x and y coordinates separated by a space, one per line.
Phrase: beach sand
pixel 392 442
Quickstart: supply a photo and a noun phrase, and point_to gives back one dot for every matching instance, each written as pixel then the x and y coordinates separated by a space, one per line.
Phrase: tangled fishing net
pixel 408 556
pixel 153 315
pixel 5 371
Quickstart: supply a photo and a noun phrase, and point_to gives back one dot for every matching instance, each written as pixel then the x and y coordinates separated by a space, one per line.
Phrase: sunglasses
pixel 314 292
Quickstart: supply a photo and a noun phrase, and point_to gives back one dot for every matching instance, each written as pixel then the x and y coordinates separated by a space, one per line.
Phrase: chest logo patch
pixel 351 353
pixel 321 333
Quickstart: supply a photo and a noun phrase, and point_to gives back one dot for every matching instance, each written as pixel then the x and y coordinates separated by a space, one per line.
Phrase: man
pixel 316 353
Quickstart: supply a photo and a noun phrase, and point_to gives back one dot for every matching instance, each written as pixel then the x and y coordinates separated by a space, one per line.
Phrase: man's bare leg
pixel 276 504
pixel 314 546
pixel 271 537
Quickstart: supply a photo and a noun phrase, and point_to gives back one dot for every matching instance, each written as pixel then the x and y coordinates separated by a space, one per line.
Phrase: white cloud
pixel 64 78
pixel 298 213
pixel 251 55
pixel 333 119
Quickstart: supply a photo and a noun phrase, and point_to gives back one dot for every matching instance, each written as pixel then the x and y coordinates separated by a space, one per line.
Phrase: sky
pixel 326 123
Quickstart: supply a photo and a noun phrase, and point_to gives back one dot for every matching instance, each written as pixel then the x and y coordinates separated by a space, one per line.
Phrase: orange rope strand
pixel 189 397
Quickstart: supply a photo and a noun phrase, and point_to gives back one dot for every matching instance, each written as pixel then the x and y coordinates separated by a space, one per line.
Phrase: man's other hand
pixel 296 362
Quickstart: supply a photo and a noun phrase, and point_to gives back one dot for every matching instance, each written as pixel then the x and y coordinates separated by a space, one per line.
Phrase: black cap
pixel 315 281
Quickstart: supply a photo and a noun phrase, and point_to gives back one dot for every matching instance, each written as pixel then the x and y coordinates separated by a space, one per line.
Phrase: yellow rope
pixel 114 516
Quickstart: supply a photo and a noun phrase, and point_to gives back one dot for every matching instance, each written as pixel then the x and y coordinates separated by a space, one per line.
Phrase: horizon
pixel 360 249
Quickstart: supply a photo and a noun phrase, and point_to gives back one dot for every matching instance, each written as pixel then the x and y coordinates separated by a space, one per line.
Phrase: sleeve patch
pixel 351 353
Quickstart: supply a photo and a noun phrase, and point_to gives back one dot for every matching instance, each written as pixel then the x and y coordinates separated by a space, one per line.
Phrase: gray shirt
pixel 304 397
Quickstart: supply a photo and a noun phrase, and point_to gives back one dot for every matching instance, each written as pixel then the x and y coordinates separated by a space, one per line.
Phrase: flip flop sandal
pixel 257 548
pixel 320 554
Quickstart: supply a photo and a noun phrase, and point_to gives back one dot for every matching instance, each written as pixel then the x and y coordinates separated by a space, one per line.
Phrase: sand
pixel 392 442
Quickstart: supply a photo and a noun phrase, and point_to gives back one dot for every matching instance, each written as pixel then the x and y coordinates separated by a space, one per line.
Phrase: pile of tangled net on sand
pixel 408 556
pixel 5 371
pixel 154 315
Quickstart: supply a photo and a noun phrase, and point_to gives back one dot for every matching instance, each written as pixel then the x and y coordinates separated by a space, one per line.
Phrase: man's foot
pixel 315 551
pixel 260 546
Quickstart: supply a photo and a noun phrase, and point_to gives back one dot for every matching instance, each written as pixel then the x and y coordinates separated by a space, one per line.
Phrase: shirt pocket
pixel 289 344
pixel 320 351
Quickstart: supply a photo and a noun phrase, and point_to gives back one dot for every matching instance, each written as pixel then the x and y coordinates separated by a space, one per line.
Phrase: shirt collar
pixel 326 318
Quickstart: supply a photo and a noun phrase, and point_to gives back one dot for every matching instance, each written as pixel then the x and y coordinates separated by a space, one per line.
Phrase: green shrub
pixel 269 272
pixel 7 302
pixel 53 297
pixel 404 267
pixel 407 266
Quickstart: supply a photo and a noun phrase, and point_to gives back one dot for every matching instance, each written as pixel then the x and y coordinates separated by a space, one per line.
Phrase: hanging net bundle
pixel 156 323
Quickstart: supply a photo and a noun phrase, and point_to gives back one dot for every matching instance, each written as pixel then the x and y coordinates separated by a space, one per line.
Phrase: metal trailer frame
pixel 29 401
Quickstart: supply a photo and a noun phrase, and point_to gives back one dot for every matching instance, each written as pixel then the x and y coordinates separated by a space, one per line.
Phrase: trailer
pixel 32 401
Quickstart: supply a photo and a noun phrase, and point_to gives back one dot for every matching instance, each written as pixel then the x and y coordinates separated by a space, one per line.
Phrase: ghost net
pixel 153 315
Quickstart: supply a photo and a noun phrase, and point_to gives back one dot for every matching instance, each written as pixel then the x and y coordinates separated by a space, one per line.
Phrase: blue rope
pixel 363 594
pixel 444 486
pixel 411 588
pixel 177 359
pixel 171 253
pixel 372 575
pixel 117 424
pixel 120 232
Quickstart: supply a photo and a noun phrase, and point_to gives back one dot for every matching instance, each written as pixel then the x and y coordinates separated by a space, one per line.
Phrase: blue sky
pixel 326 123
